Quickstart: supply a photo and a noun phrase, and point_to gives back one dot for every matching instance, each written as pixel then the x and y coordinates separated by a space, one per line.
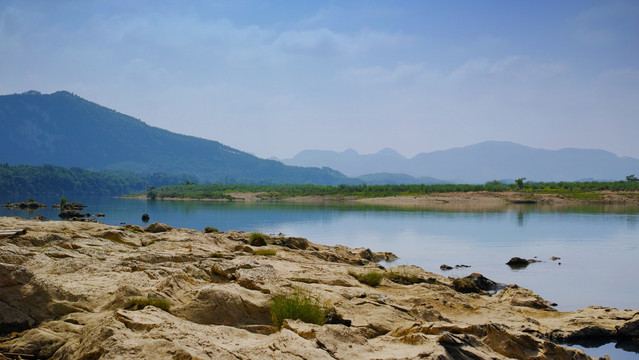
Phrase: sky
pixel 273 78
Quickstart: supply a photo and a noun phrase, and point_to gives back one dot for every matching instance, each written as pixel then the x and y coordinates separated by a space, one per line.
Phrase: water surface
pixel 598 246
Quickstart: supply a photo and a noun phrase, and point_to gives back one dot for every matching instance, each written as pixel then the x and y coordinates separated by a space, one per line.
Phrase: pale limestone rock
pixel 70 283
pixel 518 296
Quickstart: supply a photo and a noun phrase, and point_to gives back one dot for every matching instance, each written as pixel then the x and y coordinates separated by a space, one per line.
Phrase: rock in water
pixel 70 214
pixel 519 263
pixel 146 217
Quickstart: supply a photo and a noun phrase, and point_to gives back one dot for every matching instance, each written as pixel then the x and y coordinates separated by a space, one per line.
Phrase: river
pixel 598 246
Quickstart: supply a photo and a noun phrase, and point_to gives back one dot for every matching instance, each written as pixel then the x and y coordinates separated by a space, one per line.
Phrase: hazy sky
pixel 276 77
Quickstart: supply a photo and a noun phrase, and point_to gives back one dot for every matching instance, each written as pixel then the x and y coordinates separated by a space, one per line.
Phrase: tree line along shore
pixel 519 192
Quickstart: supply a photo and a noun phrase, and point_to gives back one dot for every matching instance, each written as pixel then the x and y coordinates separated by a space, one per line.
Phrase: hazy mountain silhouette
pixel 479 163
pixel 65 130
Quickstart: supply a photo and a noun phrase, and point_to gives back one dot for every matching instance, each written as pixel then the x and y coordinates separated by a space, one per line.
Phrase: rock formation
pixel 66 289
pixel 25 205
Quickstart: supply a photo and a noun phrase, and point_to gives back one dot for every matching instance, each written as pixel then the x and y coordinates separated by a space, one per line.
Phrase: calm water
pixel 598 247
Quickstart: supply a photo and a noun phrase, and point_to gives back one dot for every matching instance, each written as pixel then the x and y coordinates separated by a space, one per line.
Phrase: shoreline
pixel 480 200
pixel 67 289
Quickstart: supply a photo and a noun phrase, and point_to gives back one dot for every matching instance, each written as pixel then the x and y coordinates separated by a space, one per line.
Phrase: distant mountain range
pixel 65 130
pixel 479 163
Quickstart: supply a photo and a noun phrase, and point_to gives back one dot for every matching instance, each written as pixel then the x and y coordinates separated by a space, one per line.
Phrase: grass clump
pixel 370 278
pixel 210 229
pixel 136 303
pixel 404 277
pixel 298 305
pixel 258 239
pixel 265 252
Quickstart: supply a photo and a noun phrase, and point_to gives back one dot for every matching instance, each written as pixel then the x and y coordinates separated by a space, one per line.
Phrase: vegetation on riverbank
pixel 20 180
pixel 571 190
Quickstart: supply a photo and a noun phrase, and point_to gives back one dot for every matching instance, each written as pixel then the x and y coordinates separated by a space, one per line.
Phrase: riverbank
pixel 487 200
pixel 68 286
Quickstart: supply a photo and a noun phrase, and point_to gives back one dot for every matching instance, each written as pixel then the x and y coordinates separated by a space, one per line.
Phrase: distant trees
pixel 151 193
pixel 632 178
pixel 520 183
pixel 20 180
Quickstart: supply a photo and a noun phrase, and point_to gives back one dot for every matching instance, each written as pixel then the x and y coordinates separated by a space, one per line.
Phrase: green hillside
pixel 65 130
pixel 19 181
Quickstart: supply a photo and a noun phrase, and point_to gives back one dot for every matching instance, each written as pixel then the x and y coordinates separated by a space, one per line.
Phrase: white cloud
pixel 511 67
pixel 327 41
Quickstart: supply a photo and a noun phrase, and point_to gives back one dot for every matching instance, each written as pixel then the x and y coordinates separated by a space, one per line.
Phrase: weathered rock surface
pixel 65 289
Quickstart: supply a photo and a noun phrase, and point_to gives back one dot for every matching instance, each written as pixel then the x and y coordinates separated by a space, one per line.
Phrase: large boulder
pixel 158 228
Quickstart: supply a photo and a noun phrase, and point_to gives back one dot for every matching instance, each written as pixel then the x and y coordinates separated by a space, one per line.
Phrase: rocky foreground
pixel 66 290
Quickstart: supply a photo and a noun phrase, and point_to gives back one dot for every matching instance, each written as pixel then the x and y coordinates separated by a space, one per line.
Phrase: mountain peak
pixel 388 152
pixel 65 93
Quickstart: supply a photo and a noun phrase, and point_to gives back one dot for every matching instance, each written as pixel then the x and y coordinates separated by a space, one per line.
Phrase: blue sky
pixel 274 78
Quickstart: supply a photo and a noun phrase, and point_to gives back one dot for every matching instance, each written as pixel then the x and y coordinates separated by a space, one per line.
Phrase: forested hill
pixel 65 130
pixel 22 181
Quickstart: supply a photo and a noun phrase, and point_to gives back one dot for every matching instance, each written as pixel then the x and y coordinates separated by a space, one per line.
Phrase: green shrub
pixel 258 239
pixel 370 278
pixel 210 229
pixel 298 305
pixel 141 302
pixel 266 252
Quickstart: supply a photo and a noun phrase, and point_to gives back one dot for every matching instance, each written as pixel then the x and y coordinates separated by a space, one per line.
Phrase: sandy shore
pixel 496 200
